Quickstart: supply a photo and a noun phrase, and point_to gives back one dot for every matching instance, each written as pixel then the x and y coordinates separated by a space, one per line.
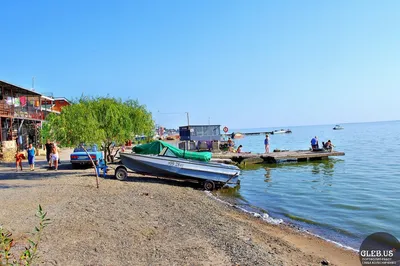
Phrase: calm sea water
pixel 343 199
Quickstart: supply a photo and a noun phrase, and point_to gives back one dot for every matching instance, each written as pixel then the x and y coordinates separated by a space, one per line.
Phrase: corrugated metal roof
pixel 27 91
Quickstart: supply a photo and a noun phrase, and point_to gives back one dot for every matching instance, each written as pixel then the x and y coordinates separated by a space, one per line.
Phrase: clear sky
pixel 241 64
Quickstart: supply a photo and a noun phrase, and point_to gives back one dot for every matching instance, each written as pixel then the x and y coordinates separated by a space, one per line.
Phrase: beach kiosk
pixel 200 137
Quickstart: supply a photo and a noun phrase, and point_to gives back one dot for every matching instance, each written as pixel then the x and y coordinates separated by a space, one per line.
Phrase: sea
pixel 343 199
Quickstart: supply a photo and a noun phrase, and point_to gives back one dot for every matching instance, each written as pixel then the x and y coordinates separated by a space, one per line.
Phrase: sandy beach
pixel 146 221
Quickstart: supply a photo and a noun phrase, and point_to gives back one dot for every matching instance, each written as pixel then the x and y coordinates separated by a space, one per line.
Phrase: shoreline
pixel 264 214
pixel 149 221
pixel 278 221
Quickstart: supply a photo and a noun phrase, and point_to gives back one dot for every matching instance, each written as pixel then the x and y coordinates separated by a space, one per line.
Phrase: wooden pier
pixel 274 157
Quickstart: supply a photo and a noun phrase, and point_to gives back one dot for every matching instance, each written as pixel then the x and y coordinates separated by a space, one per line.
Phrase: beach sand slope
pixel 146 221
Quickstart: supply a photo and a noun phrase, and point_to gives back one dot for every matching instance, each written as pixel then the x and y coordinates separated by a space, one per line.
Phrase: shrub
pixel 7 257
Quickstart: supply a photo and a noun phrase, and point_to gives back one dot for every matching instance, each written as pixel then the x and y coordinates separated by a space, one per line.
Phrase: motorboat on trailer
pixel 172 162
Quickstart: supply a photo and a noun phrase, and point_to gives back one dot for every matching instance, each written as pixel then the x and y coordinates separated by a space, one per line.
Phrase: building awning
pixel 17 89
pixel 62 99
pixel 47 98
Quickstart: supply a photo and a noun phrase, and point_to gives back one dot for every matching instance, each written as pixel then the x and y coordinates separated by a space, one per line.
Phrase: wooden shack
pixel 22 112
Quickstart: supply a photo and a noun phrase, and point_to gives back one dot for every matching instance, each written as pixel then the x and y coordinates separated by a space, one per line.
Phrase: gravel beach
pixel 146 221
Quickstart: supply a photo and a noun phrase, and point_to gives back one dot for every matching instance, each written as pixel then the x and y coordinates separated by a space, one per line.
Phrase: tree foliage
pixel 100 120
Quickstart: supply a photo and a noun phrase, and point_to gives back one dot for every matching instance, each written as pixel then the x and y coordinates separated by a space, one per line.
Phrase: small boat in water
pixel 282 131
pixel 338 127
pixel 171 163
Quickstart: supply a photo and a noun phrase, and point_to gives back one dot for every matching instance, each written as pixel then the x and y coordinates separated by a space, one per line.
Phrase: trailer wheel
pixel 121 173
pixel 209 185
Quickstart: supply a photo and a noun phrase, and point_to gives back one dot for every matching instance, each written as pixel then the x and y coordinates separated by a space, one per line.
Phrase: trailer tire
pixel 209 185
pixel 121 173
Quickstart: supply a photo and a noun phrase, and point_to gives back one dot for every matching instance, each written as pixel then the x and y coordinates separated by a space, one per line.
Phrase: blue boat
pixel 167 164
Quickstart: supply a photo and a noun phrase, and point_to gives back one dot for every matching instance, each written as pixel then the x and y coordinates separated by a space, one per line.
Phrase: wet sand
pixel 146 221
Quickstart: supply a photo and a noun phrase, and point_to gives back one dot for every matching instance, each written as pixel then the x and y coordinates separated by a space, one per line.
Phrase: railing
pixel 29 112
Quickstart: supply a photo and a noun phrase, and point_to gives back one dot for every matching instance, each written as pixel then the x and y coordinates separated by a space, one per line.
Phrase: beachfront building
pixel 22 112
pixel 60 103
pixel 53 105
pixel 199 136
pixel 200 132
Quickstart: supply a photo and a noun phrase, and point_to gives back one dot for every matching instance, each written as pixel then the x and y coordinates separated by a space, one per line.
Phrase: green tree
pixel 102 121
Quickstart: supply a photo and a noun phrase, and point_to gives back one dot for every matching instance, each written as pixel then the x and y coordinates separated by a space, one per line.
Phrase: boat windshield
pixel 167 152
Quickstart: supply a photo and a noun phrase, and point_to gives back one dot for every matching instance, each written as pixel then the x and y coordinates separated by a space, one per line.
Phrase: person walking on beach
pixel 266 143
pixel 54 157
pixel 49 148
pixel 31 156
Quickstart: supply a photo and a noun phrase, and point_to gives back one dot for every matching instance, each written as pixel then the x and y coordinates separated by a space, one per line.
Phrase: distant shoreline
pixel 291 126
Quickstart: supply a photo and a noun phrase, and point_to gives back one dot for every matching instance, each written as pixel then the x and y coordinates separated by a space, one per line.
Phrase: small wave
pixel 264 216
pixel 301 219
pixel 333 242
pixel 346 206
pixel 321 225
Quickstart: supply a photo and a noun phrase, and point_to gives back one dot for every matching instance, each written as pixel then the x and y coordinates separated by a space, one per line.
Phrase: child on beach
pixel 31 156
pixel 54 156
pixel 19 156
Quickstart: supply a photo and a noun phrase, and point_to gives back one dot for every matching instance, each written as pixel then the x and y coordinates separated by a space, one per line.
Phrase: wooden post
pixel 11 127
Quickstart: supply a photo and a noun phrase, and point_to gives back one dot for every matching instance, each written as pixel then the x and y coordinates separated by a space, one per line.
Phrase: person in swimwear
pixel 19 156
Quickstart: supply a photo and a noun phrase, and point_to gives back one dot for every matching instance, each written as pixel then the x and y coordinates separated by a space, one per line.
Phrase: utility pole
pixel 188 142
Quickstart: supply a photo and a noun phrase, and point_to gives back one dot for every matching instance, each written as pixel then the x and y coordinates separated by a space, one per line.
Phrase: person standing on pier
pixel 230 145
pixel 266 143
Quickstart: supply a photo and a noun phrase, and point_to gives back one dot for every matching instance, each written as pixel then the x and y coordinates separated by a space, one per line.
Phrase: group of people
pixel 19 156
pixel 231 145
pixel 314 145
pixel 52 156
pixel 325 145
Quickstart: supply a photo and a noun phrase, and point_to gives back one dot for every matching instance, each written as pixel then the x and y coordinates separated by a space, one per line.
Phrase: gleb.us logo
pixel 380 249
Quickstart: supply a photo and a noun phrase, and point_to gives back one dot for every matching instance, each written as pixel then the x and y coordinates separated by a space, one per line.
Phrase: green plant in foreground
pixel 7 257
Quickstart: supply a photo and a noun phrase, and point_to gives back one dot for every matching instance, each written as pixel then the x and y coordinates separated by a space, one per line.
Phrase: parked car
pixel 79 156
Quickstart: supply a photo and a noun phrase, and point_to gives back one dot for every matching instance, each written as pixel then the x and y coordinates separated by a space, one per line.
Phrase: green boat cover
pixel 157 146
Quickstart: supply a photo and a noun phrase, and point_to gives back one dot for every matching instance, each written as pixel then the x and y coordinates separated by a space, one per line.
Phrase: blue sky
pixel 241 64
